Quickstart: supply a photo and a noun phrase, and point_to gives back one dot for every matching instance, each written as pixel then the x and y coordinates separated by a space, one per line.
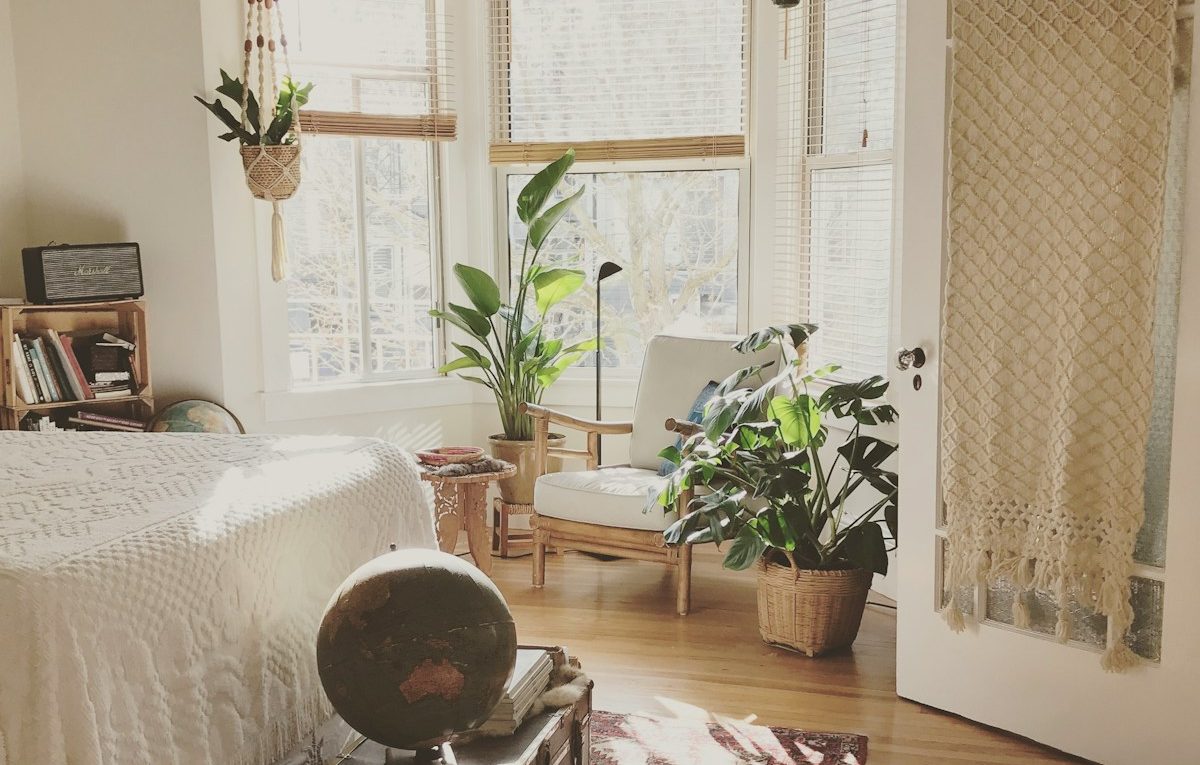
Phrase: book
pixel 111 420
pixel 24 384
pixel 107 377
pixel 108 337
pixel 530 677
pixel 31 365
pixel 90 424
pixel 62 367
pixel 117 392
pixel 77 370
pixel 53 393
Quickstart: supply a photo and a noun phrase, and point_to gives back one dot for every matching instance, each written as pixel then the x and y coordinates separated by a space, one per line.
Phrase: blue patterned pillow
pixel 696 415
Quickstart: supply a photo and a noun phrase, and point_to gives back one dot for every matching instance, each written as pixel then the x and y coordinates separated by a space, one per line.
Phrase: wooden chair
pixel 611 510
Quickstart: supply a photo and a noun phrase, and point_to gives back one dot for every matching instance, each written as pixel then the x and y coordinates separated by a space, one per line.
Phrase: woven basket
pixel 272 172
pixel 815 612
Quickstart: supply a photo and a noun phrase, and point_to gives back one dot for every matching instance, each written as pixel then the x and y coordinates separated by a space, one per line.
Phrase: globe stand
pixel 440 753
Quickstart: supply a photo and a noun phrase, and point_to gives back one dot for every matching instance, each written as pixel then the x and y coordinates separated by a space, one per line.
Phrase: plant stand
pixel 505 542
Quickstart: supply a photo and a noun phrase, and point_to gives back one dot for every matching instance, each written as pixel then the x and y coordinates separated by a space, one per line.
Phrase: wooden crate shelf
pixel 123 318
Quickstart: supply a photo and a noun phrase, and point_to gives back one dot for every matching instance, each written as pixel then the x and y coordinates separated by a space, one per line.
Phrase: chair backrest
pixel 674 372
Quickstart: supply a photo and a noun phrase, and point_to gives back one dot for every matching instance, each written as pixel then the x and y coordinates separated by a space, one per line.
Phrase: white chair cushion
pixel 618 497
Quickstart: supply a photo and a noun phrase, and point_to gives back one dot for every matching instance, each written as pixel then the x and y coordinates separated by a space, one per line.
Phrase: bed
pixel 160 593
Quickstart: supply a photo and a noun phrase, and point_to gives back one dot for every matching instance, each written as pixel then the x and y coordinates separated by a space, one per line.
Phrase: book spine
pixel 31 365
pixel 62 366
pixel 76 369
pixel 39 358
pixel 110 420
pixel 104 425
pixel 62 392
pixel 21 373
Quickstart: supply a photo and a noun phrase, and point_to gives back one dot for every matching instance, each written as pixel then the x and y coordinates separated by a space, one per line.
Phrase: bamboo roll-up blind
pixel 618 80
pixel 383 84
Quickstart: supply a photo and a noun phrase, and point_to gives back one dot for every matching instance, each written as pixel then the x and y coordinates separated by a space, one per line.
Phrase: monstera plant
pixel 512 352
pixel 768 484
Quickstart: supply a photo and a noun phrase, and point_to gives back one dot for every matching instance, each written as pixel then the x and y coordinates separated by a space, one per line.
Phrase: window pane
pixel 400 277
pixel 582 70
pixel 850 267
pixel 324 311
pixel 327 237
pixel 857 101
pixel 381 33
pixel 675 234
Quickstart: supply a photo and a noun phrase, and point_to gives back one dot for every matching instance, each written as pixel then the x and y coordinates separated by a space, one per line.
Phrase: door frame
pixel 1006 678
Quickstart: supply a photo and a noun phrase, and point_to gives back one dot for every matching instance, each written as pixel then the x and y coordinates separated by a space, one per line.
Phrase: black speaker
pixel 82 273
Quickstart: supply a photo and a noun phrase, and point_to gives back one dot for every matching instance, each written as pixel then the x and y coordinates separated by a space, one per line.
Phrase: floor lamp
pixel 607 269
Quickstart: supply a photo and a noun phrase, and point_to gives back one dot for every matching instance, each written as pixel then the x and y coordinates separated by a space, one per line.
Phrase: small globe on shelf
pixel 415 646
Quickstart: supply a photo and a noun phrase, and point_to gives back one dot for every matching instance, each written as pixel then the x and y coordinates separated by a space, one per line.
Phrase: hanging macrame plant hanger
pixel 272 170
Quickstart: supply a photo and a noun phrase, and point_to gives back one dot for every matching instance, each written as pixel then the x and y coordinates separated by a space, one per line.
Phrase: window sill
pixel 365 398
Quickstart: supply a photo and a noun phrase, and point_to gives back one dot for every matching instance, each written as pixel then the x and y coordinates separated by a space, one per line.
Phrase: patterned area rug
pixel 637 740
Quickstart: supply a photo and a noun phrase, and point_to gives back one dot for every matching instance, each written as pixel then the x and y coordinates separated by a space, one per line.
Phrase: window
pixel 667 203
pixel 362 232
pixel 837 110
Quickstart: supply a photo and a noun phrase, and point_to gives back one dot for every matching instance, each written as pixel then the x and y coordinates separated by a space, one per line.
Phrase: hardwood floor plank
pixel 618 618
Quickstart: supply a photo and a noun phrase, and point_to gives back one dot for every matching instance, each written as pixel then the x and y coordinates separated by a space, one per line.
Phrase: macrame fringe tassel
pixel 1020 611
pixel 278 245
pixel 1118 658
pixel 954 617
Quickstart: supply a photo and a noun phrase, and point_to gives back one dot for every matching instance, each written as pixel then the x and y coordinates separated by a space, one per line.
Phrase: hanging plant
pixel 270 148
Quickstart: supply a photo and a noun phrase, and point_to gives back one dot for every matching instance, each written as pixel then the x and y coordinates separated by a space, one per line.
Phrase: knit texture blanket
pixel 1058 149
pixel 161 593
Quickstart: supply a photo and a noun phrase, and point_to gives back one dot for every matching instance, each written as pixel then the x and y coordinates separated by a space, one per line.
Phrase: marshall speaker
pixel 82 273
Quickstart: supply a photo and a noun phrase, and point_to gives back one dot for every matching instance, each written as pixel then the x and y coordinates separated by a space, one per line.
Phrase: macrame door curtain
pixel 272 170
pixel 1058 149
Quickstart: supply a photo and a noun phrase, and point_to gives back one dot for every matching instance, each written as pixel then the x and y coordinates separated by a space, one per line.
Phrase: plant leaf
pixel 457 364
pixel 554 285
pixel 231 122
pixel 758 340
pixel 864 546
pixel 474 355
pixel 799 419
pixel 480 288
pixel 533 197
pixel 479 326
pixel 541 227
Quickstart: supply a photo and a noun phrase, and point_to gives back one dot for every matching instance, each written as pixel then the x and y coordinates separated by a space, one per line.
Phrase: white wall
pixel 12 199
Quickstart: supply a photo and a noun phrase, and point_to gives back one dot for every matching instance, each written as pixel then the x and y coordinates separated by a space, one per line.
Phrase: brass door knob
pixel 914 358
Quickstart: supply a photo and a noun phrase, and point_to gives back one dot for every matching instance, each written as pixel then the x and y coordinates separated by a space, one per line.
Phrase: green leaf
pixel 457 364
pixel 480 288
pixel 478 381
pixel 876 415
pixel 548 375
pixel 758 340
pixel 737 378
pixel 232 89
pixel 554 285
pixel 864 546
pixel 533 197
pixel 230 121
pixel 479 325
pixel 591 344
pixel 865 453
pixel 541 227
pixel 847 399
pixel 892 519
pixel 473 355
pixel 799 419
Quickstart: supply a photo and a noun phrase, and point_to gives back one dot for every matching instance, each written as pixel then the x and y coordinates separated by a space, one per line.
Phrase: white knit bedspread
pixel 160 593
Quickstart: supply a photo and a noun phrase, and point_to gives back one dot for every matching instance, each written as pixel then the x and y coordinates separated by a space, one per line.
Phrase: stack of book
pixel 529 679
pixel 92 421
pixel 39 423
pixel 61 368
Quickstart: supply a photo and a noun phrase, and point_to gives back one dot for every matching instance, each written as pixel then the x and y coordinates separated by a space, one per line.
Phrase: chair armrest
pixel 577 423
pixel 682 427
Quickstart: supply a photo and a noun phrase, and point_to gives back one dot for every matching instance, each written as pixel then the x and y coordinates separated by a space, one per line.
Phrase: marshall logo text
pixel 93 271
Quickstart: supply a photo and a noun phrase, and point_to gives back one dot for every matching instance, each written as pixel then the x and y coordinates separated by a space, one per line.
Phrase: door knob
pixel 914 358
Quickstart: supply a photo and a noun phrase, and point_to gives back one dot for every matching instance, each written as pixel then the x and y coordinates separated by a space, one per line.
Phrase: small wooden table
pixel 461 500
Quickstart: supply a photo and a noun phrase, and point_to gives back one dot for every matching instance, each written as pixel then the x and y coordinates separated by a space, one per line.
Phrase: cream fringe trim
pixel 1109 598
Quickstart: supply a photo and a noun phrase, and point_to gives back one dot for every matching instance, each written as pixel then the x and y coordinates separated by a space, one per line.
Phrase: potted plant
pixel 780 500
pixel 511 354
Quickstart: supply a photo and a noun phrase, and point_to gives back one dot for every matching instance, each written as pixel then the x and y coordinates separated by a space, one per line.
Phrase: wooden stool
pixel 505 542
pixel 461 500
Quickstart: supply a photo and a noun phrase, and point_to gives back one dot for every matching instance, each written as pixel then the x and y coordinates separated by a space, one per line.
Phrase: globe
pixel 414 646
pixel 195 416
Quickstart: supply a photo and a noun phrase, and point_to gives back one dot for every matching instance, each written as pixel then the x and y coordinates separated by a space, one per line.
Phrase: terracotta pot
pixel 814 612
pixel 518 490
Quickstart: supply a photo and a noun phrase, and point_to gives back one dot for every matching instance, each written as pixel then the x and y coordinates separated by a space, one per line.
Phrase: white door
pixel 1019 680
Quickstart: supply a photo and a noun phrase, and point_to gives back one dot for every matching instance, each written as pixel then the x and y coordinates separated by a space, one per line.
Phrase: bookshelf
pixel 124 318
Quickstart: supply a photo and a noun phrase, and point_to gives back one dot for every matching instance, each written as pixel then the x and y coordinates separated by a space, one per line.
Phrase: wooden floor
pixel 618 618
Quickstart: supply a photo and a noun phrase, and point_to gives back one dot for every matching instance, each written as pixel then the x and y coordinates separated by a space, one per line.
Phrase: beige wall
pixel 12 200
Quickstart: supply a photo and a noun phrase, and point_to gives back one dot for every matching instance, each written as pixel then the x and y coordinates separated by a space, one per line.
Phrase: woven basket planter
pixel 813 613
pixel 272 172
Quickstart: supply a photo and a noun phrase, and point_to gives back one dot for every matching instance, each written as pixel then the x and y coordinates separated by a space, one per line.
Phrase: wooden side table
pixel 461 500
